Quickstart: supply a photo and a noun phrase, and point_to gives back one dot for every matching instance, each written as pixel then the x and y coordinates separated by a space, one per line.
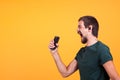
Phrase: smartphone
pixel 56 40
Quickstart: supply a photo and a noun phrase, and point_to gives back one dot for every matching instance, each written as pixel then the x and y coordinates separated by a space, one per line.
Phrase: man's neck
pixel 91 40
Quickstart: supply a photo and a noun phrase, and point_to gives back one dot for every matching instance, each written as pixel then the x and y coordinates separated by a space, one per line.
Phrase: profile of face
pixel 82 31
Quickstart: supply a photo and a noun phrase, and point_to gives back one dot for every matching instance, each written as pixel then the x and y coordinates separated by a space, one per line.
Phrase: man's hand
pixel 63 69
pixel 51 45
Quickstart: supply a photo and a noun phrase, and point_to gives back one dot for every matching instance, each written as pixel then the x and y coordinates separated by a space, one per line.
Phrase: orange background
pixel 27 26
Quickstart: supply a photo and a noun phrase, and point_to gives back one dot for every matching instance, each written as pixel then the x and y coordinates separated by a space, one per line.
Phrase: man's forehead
pixel 81 23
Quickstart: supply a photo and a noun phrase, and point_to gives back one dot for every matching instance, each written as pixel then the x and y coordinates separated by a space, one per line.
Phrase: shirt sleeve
pixel 78 53
pixel 76 57
pixel 105 55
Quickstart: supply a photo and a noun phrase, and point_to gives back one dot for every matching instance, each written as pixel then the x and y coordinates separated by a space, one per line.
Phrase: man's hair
pixel 90 20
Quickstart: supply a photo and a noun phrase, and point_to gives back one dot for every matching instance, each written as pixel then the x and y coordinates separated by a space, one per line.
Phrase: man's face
pixel 82 31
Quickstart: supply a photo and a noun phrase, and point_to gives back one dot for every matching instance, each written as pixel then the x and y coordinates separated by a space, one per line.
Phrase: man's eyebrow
pixel 79 25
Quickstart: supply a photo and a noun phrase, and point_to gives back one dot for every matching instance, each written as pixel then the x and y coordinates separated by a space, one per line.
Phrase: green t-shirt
pixel 90 61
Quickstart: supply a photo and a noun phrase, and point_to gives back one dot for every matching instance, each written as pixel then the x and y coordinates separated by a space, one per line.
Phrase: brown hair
pixel 90 20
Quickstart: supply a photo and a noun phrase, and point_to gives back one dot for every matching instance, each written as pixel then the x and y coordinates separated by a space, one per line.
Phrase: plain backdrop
pixel 27 26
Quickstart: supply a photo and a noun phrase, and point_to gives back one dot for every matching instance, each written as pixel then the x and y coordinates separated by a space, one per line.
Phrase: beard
pixel 83 38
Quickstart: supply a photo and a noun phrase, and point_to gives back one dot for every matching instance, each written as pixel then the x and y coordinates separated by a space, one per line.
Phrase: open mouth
pixel 80 33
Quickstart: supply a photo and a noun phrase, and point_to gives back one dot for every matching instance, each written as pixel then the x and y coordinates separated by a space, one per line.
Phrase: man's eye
pixel 79 26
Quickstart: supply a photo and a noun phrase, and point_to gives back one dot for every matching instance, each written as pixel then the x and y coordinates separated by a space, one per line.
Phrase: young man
pixel 94 61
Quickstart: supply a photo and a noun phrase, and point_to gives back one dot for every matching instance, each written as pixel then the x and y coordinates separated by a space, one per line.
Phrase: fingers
pixel 51 45
pixel 57 44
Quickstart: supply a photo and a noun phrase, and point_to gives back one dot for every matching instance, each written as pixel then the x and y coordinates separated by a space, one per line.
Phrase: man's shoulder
pixel 102 46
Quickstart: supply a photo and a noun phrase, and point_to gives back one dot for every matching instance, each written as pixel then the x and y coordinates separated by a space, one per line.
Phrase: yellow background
pixel 27 26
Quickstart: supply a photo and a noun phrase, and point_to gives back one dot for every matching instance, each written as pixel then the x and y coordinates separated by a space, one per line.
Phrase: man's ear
pixel 90 27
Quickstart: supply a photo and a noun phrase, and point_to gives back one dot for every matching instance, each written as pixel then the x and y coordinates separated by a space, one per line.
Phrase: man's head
pixel 87 25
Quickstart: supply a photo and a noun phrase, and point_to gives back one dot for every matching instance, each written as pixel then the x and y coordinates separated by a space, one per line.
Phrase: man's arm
pixel 64 70
pixel 110 69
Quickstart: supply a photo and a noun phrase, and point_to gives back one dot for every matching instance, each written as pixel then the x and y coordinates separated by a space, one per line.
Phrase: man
pixel 94 61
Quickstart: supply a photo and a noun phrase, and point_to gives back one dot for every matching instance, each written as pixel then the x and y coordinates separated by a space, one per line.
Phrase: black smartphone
pixel 56 40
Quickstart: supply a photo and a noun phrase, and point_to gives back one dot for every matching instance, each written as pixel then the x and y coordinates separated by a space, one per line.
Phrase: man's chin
pixel 83 40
